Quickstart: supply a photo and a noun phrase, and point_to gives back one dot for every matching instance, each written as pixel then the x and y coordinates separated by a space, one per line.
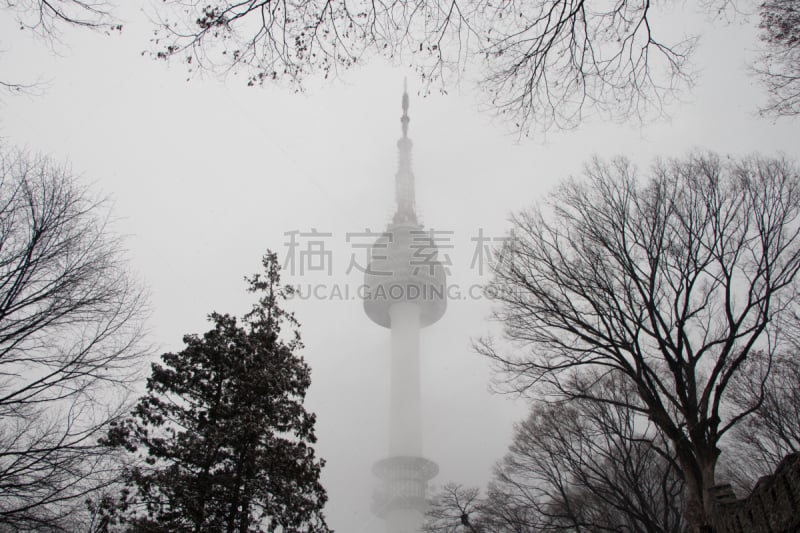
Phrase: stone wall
pixel 773 506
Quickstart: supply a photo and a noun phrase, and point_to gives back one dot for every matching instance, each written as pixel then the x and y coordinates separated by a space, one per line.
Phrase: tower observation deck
pixel 405 290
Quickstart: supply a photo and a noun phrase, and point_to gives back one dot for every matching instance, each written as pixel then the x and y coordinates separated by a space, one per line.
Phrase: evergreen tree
pixel 223 432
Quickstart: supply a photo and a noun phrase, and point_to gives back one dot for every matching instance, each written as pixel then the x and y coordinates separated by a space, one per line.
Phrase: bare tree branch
pixel 452 510
pixel 541 64
pixel 779 67
pixel 45 19
pixel 577 466
pixel 70 339
pixel 771 389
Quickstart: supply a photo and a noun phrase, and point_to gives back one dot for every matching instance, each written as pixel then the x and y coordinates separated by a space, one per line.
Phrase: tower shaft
pixel 405 410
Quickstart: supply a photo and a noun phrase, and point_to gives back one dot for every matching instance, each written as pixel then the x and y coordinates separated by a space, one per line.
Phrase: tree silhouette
pixel 222 431
pixel 671 283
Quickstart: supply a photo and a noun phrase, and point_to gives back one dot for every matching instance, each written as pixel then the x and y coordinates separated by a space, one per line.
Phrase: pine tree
pixel 222 430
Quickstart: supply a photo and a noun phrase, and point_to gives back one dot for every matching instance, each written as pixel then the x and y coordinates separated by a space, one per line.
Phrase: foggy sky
pixel 207 174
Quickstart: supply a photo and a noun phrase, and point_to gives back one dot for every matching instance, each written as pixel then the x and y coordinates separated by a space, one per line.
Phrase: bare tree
pixel 594 466
pixel 581 466
pixel 779 67
pixel 70 339
pixel 452 510
pixel 671 283
pixel 543 62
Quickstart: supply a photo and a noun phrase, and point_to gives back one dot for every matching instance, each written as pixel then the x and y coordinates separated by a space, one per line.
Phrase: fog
pixel 207 174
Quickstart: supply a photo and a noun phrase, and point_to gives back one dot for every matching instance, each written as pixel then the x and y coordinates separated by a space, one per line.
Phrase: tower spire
pixel 404 179
pixel 404 119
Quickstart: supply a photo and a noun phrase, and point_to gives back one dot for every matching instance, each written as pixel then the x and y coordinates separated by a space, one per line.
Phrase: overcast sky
pixel 206 175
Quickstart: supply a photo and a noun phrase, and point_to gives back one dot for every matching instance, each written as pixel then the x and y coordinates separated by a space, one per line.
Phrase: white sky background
pixel 206 175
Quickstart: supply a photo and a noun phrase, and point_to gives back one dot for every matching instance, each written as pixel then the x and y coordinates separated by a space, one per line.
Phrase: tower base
pixel 402 502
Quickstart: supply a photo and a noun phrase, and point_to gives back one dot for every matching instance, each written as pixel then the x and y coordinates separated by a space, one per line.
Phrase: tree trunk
pixel 699 473
pixel 708 471
pixel 244 524
pixel 233 509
